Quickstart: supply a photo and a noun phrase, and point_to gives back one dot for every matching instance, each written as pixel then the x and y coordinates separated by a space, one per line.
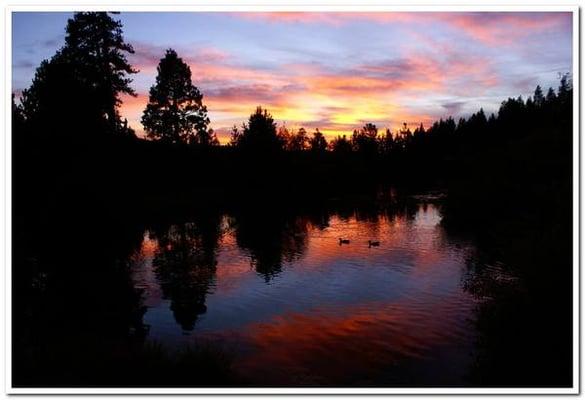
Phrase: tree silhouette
pixel 285 137
pixel 386 143
pixel 56 95
pixel 175 112
pixel 538 97
pixel 318 143
pixel 259 133
pixel 340 145
pixel 565 91
pixel 235 136
pixel 364 140
pixel 17 116
pixel 550 95
pixel 95 41
pixel 299 140
pixel 83 81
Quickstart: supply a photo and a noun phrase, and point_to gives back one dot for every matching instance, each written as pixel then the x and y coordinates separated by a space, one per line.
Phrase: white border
pixel 247 6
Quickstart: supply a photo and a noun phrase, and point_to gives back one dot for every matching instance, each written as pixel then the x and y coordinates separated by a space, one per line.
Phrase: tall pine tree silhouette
pixel 82 83
pixel 175 112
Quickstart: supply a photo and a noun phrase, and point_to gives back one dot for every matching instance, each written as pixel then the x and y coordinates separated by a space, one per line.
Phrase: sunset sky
pixel 333 71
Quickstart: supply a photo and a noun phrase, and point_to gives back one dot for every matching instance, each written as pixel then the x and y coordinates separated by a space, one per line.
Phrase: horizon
pixel 388 67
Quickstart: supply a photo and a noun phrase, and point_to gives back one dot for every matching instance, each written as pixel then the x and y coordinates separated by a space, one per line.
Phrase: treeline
pixel 447 137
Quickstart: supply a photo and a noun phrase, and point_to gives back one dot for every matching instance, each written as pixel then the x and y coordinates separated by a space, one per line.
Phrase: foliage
pixel 340 145
pixel 175 112
pixel 259 134
pixel 364 140
pixel 83 81
pixel 318 143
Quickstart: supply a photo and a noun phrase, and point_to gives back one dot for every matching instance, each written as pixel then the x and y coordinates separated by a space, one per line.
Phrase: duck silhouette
pixel 343 241
pixel 373 244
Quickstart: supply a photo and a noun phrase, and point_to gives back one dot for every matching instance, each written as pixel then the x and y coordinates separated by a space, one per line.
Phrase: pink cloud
pixel 489 28
pixel 496 29
pixel 330 18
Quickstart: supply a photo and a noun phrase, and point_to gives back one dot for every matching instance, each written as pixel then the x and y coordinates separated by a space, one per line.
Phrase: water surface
pixel 296 307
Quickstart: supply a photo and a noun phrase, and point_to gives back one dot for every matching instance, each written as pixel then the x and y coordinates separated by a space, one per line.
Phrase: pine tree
pixel 298 141
pixel 175 112
pixel 565 90
pixel 259 133
pixel 83 81
pixel 538 97
pixel 94 42
pixel 235 136
pixel 17 116
pixel 318 143
pixel 550 96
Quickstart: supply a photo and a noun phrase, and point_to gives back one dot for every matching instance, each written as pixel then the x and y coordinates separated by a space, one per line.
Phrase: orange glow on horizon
pixel 341 122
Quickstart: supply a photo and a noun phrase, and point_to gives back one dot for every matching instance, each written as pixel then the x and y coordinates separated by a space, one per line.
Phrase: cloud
pixel 453 107
pixel 51 43
pixel 489 28
pixel 147 56
pixel 500 28
pixel 25 64
pixel 329 18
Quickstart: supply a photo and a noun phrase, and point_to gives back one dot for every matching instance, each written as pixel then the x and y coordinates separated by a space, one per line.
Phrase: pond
pixel 296 304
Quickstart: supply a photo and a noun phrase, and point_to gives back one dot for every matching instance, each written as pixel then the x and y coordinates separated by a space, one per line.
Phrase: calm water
pixel 295 307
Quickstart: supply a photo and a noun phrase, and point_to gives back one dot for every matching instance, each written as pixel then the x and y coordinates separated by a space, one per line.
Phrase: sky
pixel 332 71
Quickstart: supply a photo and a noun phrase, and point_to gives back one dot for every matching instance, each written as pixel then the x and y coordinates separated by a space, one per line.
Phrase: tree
pixel 386 143
pixel 284 137
pixel 419 131
pixel 404 137
pixel 94 42
pixel 340 145
pixel 209 139
pixel 17 116
pixel 364 140
pixel 318 143
pixel 538 97
pixel 298 141
pixel 550 95
pixel 234 136
pixel 259 133
pixel 565 91
pixel 83 81
pixel 175 112
pixel 59 101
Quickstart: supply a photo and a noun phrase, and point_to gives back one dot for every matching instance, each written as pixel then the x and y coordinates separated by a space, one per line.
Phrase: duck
pixel 373 244
pixel 343 241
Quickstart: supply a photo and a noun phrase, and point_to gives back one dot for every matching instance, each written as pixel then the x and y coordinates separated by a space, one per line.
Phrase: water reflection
pixel 279 289
pixel 184 263
pixel 271 239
